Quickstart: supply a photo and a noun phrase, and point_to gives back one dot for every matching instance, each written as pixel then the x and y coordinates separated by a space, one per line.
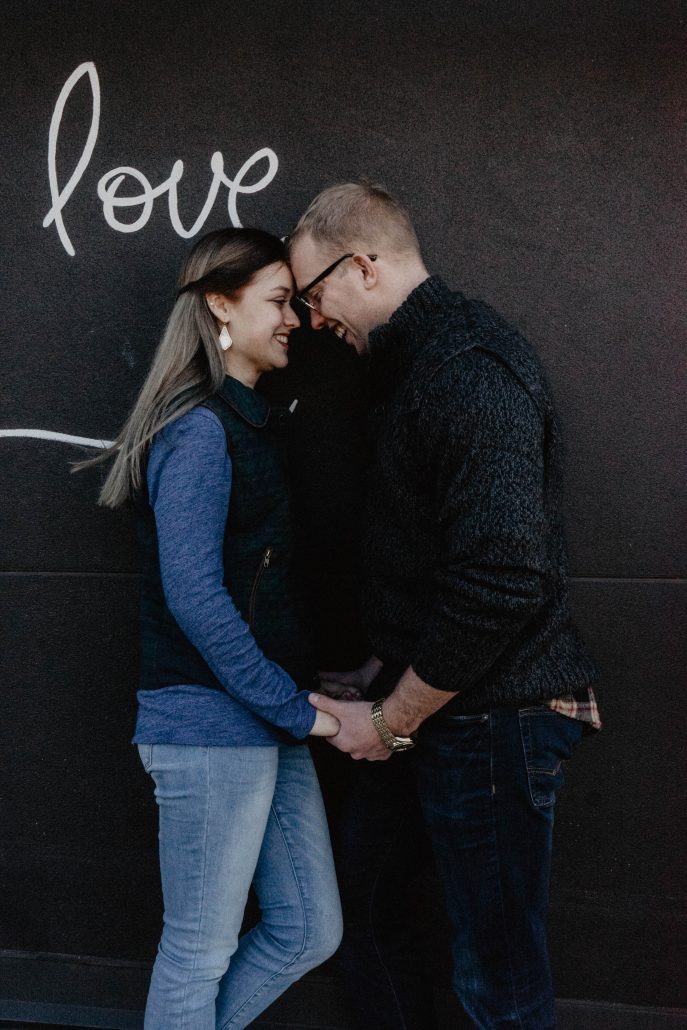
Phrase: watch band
pixel 389 739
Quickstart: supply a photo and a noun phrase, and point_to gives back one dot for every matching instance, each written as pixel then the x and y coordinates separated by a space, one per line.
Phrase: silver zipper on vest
pixel 264 564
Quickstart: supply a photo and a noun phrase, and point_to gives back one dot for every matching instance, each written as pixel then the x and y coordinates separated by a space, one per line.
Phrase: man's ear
pixel 220 306
pixel 367 268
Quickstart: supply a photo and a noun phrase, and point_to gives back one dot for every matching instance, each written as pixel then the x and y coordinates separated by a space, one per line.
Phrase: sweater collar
pixel 250 405
pixel 410 326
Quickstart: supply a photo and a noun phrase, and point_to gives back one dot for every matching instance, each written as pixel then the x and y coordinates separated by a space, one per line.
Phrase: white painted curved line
pixel 46 434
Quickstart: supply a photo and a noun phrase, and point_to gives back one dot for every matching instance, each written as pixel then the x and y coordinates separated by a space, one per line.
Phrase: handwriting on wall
pixel 111 184
pixel 109 191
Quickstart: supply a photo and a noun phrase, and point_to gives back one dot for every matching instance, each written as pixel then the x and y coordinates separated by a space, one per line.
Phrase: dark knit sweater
pixel 464 555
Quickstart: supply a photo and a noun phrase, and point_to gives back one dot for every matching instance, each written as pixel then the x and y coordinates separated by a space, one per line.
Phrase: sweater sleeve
pixel 483 449
pixel 189 484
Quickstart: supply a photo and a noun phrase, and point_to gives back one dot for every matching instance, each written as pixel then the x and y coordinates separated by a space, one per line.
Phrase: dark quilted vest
pixel 258 570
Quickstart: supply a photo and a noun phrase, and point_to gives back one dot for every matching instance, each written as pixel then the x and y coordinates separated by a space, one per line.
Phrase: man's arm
pixel 411 702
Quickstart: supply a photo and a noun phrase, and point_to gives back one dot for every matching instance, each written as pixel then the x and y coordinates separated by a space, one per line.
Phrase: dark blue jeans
pixel 478 794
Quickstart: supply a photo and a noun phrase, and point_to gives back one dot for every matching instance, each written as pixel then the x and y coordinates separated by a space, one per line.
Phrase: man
pixel 465 605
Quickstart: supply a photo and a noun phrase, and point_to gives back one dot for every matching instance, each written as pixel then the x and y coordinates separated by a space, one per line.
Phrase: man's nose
pixel 316 320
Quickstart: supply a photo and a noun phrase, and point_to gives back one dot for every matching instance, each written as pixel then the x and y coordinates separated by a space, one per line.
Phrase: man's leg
pixel 487 785
pixel 380 844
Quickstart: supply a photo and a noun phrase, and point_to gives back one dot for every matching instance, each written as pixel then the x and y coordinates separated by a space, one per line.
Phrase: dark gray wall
pixel 540 148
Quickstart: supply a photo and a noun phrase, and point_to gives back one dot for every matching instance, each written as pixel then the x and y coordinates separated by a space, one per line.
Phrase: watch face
pixel 403 746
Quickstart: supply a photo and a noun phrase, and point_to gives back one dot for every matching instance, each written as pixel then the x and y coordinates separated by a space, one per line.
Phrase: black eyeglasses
pixel 323 275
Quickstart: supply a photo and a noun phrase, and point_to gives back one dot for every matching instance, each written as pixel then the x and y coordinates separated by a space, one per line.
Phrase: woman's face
pixel 260 321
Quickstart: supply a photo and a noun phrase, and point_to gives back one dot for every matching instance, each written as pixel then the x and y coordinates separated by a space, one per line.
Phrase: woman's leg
pixel 298 895
pixel 214 804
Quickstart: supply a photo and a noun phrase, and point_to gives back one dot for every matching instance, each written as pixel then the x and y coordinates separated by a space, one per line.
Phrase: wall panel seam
pixel 75 573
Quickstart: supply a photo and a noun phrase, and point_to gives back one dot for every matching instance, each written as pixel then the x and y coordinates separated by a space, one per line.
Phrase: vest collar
pixel 247 403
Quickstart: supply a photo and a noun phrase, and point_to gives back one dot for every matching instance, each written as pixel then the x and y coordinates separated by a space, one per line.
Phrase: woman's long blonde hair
pixel 187 367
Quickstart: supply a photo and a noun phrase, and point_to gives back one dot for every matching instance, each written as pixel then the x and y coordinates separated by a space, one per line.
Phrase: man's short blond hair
pixel 357 216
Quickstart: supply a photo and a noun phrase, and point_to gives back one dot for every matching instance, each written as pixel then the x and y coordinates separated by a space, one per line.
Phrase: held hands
pixel 343 687
pixel 410 703
pixel 356 735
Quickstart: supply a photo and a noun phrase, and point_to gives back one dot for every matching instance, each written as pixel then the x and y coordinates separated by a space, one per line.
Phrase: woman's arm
pixel 189 485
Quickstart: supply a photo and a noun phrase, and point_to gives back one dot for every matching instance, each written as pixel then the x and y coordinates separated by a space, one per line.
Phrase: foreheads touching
pixel 355 258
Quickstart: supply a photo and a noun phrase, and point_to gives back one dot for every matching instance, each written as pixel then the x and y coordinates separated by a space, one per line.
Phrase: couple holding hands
pixel 477 676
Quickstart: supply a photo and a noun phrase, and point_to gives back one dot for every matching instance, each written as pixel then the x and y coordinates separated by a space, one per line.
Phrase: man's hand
pixel 411 702
pixel 357 736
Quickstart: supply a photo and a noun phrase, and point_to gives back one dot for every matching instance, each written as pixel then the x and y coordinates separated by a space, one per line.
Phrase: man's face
pixel 340 300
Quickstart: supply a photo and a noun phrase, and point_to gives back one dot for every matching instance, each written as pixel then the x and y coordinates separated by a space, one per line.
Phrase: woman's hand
pixel 357 680
pixel 325 725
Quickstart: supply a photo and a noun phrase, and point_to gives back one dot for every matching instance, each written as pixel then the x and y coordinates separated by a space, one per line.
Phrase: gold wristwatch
pixel 389 739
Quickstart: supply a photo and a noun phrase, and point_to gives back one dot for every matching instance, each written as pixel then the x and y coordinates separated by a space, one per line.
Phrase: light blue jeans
pixel 231 817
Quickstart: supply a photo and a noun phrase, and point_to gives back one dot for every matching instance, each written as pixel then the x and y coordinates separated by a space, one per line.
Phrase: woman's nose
pixel 291 319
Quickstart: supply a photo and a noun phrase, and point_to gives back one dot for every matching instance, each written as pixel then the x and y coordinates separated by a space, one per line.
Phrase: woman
pixel 220 715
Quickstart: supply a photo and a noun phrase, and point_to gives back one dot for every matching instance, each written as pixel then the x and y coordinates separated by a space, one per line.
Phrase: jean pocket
pixel 145 752
pixel 548 740
pixel 465 720
pixel 453 739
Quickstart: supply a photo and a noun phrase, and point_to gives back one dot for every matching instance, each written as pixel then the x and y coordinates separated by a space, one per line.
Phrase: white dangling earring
pixel 225 340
